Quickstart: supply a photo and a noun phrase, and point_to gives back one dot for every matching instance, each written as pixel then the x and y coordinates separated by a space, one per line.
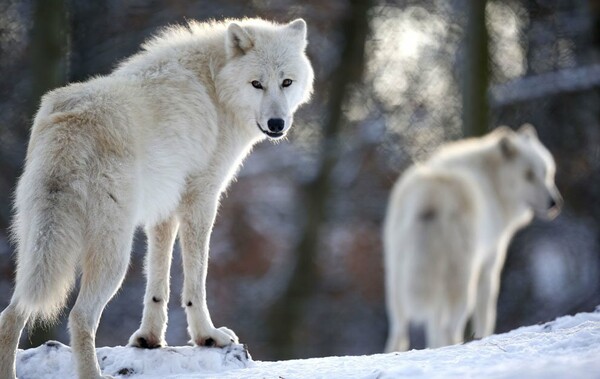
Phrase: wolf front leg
pixel 197 214
pixel 161 238
pixel 484 315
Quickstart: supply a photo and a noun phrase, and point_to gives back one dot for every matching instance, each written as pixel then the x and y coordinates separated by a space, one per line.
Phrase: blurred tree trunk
pixel 476 71
pixel 475 108
pixel 595 16
pixel 49 47
pixel 287 312
pixel 89 53
pixel 49 53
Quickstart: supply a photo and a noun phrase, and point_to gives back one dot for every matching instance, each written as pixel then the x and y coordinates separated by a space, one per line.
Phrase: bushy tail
pixel 427 233
pixel 48 228
pixel 442 235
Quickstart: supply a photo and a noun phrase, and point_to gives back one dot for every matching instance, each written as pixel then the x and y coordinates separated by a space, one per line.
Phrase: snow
pixel 566 347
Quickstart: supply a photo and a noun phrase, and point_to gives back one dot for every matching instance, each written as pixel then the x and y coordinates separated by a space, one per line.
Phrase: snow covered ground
pixel 568 347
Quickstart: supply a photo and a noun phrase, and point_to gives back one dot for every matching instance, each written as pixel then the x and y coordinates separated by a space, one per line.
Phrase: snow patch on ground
pixel 53 360
pixel 566 347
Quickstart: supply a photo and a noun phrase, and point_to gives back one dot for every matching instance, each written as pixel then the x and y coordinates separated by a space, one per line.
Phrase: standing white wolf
pixel 448 226
pixel 154 144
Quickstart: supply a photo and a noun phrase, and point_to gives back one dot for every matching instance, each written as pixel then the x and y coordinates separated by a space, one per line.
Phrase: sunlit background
pixel 296 258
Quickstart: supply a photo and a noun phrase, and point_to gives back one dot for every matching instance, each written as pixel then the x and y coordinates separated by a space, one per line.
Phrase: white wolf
pixel 448 226
pixel 154 144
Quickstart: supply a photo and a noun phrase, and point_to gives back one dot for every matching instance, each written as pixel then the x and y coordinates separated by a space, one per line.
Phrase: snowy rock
pixel 53 360
pixel 568 347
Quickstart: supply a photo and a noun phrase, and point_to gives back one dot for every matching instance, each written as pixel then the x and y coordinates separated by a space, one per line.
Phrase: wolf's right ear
pixel 238 40
pixel 528 131
pixel 299 27
pixel 298 30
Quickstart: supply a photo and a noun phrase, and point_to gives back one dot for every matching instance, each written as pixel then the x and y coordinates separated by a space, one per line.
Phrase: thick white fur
pixel 448 226
pixel 154 144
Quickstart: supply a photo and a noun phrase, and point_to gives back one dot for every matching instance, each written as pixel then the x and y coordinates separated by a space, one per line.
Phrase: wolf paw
pixel 220 337
pixel 146 340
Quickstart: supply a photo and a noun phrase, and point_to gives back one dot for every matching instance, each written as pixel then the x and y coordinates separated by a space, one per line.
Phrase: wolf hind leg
pixel 161 238
pixel 12 322
pixel 446 324
pixel 398 338
pixel 453 332
pixel 104 267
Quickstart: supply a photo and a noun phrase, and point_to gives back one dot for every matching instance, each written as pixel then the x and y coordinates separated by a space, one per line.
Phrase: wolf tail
pixel 432 232
pixel 48 227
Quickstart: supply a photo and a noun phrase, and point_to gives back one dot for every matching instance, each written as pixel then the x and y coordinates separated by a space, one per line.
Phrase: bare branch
pixel 544 85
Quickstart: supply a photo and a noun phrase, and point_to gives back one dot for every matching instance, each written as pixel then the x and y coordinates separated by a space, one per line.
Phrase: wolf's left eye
pixel 286 82
pixel 256 84
pixel 529 175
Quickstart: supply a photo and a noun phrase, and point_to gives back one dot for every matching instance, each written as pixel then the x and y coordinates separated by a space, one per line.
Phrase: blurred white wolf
pixel 448 225
pixel 154 144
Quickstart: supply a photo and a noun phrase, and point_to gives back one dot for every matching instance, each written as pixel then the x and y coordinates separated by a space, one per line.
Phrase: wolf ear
pixel 238 40
pixel 507 146
pixel 502 130
pixel 528 130
pixel 298 29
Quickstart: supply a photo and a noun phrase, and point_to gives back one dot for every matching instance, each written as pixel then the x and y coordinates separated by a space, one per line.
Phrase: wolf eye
pixel 529 175
pixel 286 82
pixel 256 84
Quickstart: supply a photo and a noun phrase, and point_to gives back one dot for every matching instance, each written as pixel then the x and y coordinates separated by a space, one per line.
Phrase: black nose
pixel 555 202
pixel 276 125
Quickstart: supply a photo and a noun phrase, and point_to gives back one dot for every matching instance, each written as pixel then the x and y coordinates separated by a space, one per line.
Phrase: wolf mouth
pixel 274 135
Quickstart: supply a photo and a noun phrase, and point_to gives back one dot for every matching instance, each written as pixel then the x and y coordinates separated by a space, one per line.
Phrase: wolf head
pixel 267 74
pixel 527 172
